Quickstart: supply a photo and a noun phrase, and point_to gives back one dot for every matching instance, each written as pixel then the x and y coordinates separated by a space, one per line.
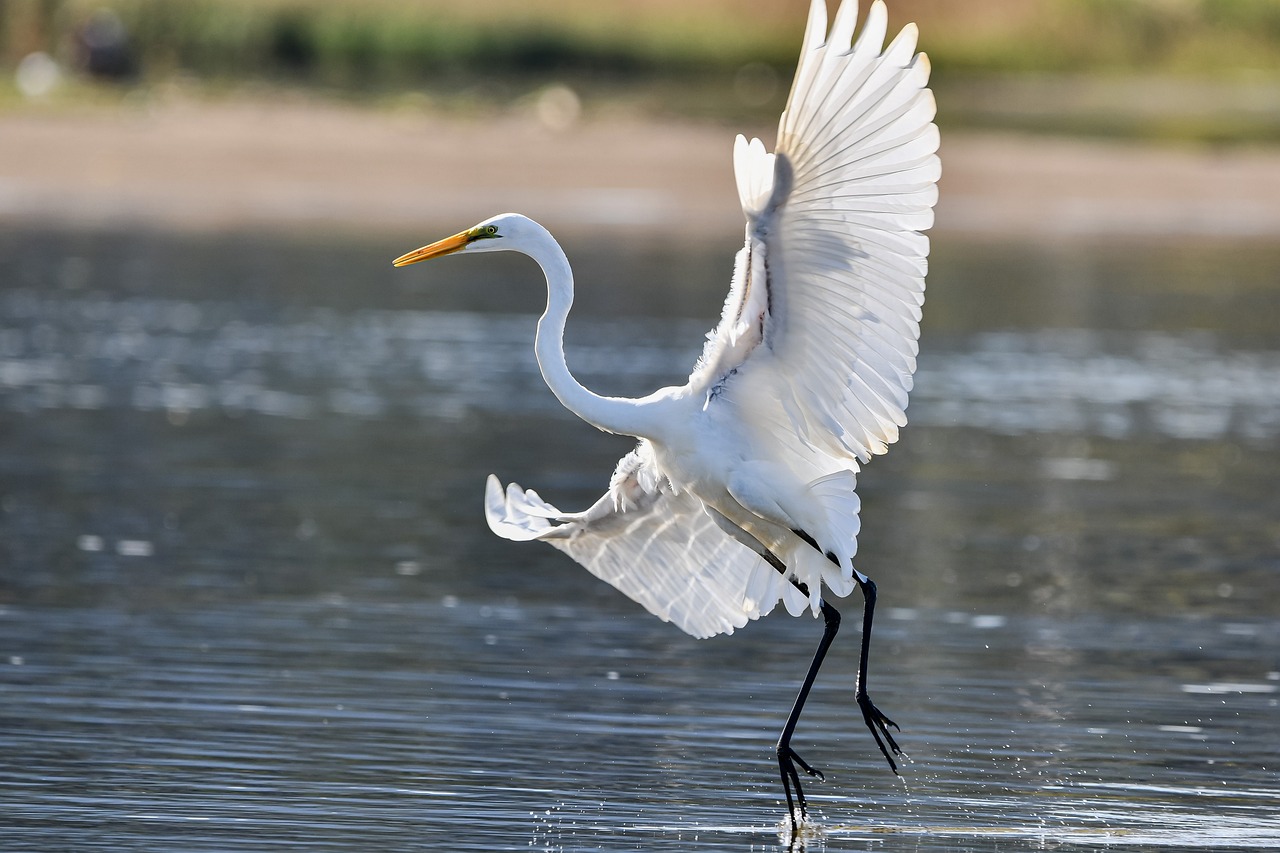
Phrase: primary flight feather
pixel 740 493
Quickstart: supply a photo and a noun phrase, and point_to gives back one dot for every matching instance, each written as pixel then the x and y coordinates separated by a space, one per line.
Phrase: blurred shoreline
pixel 314 165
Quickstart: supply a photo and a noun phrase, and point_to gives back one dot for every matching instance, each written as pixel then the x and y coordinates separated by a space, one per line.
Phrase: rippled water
pixel 247 600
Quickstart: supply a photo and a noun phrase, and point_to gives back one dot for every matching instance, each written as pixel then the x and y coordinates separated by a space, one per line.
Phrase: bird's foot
pixel 879 725
pixel 789 756
pixel 797 807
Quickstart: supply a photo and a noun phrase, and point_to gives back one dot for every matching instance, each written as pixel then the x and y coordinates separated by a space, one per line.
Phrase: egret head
pixel 493 235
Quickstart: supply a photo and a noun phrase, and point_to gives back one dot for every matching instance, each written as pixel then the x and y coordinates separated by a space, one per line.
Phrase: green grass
pixel 353 42
pixel 359 42
pixel 676 52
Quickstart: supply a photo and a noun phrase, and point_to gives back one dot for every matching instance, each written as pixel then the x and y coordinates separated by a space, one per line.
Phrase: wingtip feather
pixel 516 514
pixel 753 168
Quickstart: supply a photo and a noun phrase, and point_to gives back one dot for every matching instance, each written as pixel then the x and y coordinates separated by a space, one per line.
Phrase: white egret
pixel 740 493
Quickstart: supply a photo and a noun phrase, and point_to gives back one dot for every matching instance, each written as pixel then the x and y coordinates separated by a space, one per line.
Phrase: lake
pixel 248 599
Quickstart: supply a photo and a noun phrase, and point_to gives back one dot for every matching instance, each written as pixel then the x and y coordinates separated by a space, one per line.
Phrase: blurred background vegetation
pixel 1197 69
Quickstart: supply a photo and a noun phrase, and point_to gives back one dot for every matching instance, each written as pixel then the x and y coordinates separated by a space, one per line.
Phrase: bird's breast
pixel 703 462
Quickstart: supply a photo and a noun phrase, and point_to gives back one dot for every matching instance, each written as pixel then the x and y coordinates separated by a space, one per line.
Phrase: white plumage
pixel 741 492
pixel 815 350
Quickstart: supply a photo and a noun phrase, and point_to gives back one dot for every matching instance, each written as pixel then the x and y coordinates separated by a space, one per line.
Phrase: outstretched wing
pixel 816 347
pixel 819 334
pixel 657 547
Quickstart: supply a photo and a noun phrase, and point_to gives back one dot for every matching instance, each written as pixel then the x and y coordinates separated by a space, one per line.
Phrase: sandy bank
pixel 248 165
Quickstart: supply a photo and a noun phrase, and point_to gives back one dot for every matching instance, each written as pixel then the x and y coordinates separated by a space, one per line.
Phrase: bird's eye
pixel 491 230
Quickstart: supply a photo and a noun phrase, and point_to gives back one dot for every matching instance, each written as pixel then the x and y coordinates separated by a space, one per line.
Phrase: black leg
pixel 787 757
pixel 876 721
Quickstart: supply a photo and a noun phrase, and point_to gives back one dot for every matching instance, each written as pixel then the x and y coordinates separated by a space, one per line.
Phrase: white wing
pixel 817 340
pixel 818 337
pixel 659 548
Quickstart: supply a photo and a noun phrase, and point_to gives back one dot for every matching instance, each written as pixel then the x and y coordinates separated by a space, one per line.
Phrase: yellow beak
pixel 441 247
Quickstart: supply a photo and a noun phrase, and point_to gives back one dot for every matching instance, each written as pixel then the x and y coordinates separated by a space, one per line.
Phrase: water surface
pixel 248 600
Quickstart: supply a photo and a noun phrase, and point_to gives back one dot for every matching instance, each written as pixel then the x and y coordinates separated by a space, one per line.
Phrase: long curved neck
pixel 620 415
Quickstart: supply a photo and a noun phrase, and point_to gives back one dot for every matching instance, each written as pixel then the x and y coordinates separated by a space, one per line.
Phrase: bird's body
pixel 740 493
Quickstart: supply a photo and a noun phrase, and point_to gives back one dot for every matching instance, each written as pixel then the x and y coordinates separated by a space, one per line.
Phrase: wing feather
pixel 815 349
pixel 657 547
pixel 854 185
